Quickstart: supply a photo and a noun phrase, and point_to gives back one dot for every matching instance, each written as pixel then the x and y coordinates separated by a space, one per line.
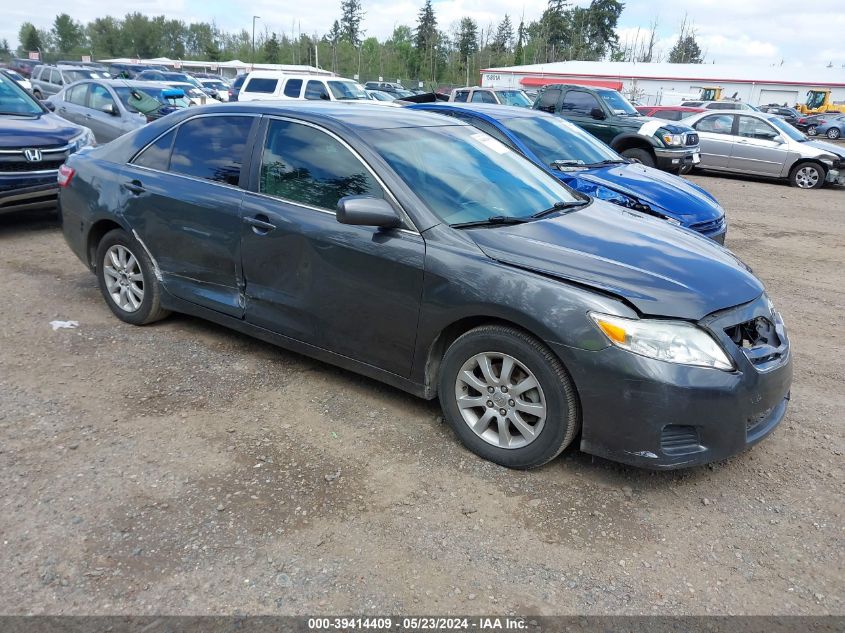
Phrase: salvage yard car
pixel 607 115
pixel 763 144
pixel 33 143
pixel 414 249
pixel 586 164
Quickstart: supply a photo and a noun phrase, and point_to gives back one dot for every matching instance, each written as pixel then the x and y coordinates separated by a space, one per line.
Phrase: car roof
pixel 353 115
pixel 493 110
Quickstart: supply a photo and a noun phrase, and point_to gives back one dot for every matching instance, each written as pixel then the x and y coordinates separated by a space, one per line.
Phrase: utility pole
pixel 254 18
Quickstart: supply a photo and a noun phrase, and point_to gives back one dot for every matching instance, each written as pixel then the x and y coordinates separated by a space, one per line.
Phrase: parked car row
pixel 467 268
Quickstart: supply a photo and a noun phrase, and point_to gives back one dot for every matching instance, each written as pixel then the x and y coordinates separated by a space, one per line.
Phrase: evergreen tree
pixel 350 21
pixel 686 50
pixel 67 33
pixel 467 38
pixel 425 40
pixel 271 49
pixel 30 39
pixel 518 51
pixel 504 36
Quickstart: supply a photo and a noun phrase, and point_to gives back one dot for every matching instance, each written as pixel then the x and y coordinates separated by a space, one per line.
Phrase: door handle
pixel 260 224
pixel 87 116
pixel 134 186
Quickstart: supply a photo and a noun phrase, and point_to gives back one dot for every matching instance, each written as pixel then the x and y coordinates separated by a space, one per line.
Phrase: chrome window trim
pixel 392 198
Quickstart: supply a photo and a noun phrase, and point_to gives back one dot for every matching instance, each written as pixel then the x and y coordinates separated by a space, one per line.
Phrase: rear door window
pixel 716 124
pixel 751 127
pixel 549 99
pixel 461 96
pixel 262 85
pixel 293 87
pixel 211 148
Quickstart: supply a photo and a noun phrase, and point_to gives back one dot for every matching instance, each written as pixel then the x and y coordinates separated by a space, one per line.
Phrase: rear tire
pixel 833 133
pixel 639 155
pixel 508 397
pixel 807 176
pixel 126 277
pixel 811 131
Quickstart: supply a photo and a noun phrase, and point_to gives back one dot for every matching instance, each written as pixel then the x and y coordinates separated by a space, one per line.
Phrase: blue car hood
pixel 658 268
pixel 35 131
pixel 663 192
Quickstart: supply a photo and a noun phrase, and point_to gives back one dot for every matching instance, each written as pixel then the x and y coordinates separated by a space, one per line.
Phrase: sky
pixel 750 32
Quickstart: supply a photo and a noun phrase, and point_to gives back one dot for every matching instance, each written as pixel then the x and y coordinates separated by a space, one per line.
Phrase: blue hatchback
pixel 587 165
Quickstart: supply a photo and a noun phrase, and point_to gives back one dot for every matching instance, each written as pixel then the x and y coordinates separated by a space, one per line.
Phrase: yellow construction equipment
pixel 818 100
pixel 710 93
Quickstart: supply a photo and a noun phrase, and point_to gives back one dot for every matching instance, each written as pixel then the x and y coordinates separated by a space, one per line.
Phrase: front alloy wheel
pixel 807 176
pixel 508 397
pixel 834 133
pixel 811 131
pixel 500 400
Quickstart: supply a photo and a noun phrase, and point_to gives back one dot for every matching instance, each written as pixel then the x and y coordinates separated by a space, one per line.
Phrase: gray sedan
pixel 108 106
pixel 763 144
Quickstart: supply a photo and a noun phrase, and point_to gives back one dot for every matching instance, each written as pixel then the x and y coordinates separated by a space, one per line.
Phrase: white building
pixel 667 83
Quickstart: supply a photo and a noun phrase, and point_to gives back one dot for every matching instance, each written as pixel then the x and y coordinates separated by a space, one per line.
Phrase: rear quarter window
pixel 293 87
pixel 262 85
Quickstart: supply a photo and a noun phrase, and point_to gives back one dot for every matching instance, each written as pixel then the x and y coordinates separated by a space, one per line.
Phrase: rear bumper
pixel 28 193
pixel 660 415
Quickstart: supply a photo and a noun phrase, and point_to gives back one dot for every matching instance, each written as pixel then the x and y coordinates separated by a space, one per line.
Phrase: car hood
pixel 38 131
pixel 663 192
pixel 829 148
pixel 658 268
pixel 648 125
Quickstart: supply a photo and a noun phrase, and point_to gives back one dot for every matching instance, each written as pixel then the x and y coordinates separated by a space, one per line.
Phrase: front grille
pixel 758 339
pixel 677 439
pixel 710 226
pixel 23 166
pixel 692 139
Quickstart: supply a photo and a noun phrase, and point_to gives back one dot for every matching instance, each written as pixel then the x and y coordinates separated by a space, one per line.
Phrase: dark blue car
pixel 33 145
pixel 587 165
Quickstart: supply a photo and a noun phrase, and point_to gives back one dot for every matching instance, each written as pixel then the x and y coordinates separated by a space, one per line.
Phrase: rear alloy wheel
pixel 639 155
pixel 807 176
pixel 508 397
pixel 834 133
pixel 811 131
pixel 127 280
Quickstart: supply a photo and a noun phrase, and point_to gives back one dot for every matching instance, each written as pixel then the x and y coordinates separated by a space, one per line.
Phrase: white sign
pixel 420 84
pixel 86 59
pixel 177 65
pixel 34 55
pixel 381 78
pixel 489 77
pixel 214 67
pixel 355 76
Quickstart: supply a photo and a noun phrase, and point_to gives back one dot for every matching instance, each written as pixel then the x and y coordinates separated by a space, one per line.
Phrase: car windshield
pixel 345 90
pixel 464 175
pixel 514 98
pixel 219 85
pixel 785 128
pixel 552 139
pixel 76 75
pixel 618 103
pixel 15 100
pixel 14 75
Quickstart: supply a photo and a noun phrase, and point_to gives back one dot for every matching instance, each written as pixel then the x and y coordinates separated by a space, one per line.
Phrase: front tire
pixel 811 131
pixel 639 155
pixel 833 133
pixel 807 176
pixel 127 281
pixel 508 397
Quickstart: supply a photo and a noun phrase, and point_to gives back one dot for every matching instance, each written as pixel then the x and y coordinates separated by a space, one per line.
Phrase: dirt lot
pixel 182 468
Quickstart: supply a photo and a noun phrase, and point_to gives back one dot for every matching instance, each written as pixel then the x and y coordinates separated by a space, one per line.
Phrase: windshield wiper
pixel 567 162
pixel 560 206
pixel 493 220
pixel 609 161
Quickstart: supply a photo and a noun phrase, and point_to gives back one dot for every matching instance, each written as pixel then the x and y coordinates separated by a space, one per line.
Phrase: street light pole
pixel 254 18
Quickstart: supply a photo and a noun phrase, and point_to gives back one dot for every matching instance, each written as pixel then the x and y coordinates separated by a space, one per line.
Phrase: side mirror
pixel 597 113
pixel 110 108
pixel 777 138
pixel 548 108
pixel 49 105
pixel 367 211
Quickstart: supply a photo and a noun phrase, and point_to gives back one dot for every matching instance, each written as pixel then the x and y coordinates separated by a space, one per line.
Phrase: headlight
pixel 82 140
pixel 673 139
pixel 670 341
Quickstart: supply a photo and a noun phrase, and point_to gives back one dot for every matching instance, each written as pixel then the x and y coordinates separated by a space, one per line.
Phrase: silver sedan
pixel 761 144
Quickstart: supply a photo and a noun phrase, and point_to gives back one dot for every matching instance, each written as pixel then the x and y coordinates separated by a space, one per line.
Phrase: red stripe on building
pixel 537 82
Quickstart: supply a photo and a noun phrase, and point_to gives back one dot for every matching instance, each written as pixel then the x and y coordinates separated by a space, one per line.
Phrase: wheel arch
pixel 96 233
pixel 450 333
pixel 628 140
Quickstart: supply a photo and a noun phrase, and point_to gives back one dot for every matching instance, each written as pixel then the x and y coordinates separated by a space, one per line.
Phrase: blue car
pixel 33 145
pixel 587 165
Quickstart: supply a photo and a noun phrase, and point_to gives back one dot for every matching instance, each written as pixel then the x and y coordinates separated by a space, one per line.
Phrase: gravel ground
pixel 183 468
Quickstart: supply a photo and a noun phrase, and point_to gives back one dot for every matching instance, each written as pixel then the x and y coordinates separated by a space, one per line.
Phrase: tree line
pixel 425 51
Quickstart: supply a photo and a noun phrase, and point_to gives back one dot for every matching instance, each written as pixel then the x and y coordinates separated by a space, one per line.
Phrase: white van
pixel 264 85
